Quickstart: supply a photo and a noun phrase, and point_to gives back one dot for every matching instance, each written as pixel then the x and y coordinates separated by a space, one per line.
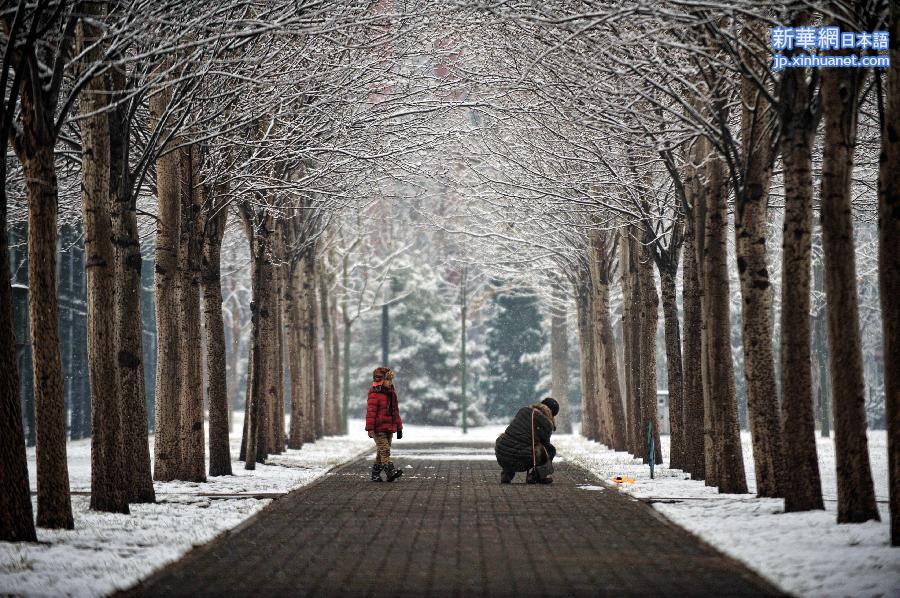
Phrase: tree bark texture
pixel 600 416
pixel 751 205
pixel 802 489
pixel 889 268
pixel 263 368
pixel 325 317
pixel 856 493
pixel 335 367
pixel 307 336
pixel 674 371
pixel 607 367
pixel 693 418
pixel 632 310
pixel 295 356
pixel 649 318
pixel 724 452
pixel 54 508
pixel 167 448
pixel 128 321
pixel 317 358
pixel 219 449
pixel 108 480
pixel 16 514
pixel 193 450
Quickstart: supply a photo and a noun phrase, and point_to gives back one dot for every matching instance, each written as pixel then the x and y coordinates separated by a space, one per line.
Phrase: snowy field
pixel 107 552
pixel 806 554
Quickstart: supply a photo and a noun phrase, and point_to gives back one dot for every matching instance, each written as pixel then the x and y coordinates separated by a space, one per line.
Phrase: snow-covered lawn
pixel 107 552
pixel 806 554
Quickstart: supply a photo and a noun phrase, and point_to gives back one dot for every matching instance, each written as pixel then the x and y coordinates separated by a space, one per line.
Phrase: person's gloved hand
pixel 371 435
pixel 399 434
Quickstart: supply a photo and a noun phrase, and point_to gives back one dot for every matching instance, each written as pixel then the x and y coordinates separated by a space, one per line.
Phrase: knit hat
pixel 381 374
pixel 552 404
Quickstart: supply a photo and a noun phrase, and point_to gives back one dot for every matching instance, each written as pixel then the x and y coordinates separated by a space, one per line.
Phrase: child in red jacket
pixel 382 420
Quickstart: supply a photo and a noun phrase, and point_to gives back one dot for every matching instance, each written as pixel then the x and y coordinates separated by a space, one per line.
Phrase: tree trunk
pixel 802 489
pixel 263 372
pixel 16 515
pixel 856 493
pixel 307 305
pixel 600 416
pixel 889 268
pixel 631 311
pixel 167 448
pixel 295 356
pixel 692 418
pixel 605 345
pixel 325 318
pixel 649 318
pixel 347 330
pixel 193 465
pixel 128 321
pixel 54 508
pixel 559 358
pixel 719 391
pixel 336 371
pixel 278 424
pixel 710 448
pixel 674 372
pixel 259 238
pixel 751 204
pixel 588 360
pixel 108 480
pixel 219 449
pixel 317 370
pixel 609 363
pixel 276 396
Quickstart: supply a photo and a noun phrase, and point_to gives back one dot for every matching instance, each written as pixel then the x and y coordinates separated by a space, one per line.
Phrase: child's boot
pixel 392 473
pixel 376 472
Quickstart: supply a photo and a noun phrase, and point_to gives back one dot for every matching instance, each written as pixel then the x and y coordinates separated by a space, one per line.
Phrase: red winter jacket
pixel 382 410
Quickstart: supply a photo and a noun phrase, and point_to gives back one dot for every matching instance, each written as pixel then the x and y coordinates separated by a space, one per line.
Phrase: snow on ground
pixel 106 552
pixel 806 554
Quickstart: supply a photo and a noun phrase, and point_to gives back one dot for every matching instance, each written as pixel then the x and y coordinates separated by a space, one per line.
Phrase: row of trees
pixel 628 152
pixel 188 118
pixel 609 147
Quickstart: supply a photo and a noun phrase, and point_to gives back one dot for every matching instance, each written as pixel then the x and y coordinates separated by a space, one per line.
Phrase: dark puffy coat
pixel 382 410
pixel 513 447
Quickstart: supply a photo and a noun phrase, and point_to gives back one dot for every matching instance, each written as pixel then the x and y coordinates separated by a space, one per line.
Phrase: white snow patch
pixel 589 487
pixel 806 554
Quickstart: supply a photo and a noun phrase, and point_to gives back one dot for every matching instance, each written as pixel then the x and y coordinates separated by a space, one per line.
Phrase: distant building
pixel 72 328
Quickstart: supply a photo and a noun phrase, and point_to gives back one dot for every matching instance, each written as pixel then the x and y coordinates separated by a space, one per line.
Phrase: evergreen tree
pixel 425 351
pixel 515 334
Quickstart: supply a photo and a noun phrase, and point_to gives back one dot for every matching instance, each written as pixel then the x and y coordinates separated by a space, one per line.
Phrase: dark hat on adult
pixel 552 404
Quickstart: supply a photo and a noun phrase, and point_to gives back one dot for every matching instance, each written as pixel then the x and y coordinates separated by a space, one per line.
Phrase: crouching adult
pixel 525 445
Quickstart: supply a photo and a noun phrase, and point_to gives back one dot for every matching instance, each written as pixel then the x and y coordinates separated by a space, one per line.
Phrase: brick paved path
pixel 448 528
